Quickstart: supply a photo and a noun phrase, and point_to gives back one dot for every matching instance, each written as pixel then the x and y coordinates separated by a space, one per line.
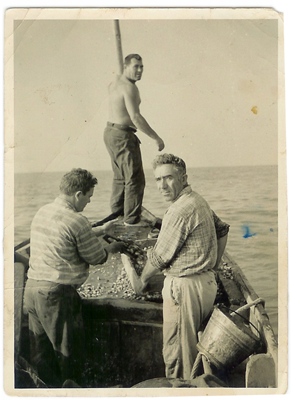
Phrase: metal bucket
pixel 225 342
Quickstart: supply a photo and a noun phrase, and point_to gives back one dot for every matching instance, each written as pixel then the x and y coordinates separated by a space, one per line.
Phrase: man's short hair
pixel 165 158
pixel 128 58
pixel 76 180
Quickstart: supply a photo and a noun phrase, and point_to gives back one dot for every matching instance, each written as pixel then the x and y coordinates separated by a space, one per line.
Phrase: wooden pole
pixel 118 45
pixel 22 244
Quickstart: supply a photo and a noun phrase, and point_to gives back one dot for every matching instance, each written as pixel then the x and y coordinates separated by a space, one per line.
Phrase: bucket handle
pixel 249 322
pixel 247 306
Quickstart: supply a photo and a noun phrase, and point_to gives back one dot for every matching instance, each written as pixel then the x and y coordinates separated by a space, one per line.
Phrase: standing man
pixel 188 250
pixel 122 143
pixel 62 247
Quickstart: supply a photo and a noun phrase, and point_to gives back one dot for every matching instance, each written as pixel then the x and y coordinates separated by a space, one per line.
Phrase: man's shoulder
pixel 72 217
pixel 198 202
pixel 122 86
pixel 187 203
pixel 125 84
pixel 196 197
pixel 74 222
pixel 189 197
pixel 46 208
pixel 182 207
pixel 62 213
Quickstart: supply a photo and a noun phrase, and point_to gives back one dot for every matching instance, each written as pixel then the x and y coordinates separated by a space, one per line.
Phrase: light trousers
pixel 187 301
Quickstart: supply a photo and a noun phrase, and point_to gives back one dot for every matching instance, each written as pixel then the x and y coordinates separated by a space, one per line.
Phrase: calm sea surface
pixel 244 197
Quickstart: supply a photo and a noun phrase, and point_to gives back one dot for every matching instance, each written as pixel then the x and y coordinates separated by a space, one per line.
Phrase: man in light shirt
pixel 188 251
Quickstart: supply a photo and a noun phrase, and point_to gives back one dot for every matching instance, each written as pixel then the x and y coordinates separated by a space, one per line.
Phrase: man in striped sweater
pixel 63 245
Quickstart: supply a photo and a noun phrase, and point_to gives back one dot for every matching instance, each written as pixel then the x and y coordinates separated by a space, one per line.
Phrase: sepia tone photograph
pixel 145 202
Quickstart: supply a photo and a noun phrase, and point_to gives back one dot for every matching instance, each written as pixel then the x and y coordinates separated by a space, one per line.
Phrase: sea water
pixel 244 197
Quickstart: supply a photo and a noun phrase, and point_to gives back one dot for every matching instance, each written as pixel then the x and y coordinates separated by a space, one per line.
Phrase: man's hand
pixel 116 247
pixel 103 229
pixel 138 286
pixel 106 227
pixel 160 144
pixel 137 283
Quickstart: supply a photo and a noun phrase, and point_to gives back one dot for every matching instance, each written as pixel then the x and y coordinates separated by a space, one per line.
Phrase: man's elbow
pixel 222 240
pixel 221 245
pixel 99 260
pixel 224 237
pixel 136 118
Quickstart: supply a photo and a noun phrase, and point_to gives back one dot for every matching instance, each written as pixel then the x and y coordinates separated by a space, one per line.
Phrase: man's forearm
pixel 141 124
pixel 148 271
pixel 139 283
pixel 221 244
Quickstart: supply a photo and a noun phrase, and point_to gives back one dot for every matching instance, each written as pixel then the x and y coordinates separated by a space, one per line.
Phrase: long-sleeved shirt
pixel 187 243
pixel 63 245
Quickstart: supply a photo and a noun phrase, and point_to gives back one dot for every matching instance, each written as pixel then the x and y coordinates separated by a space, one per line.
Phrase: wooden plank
pixel 22 259
pixel 22 244
pixel 118 45
pixel 19 279
pixel 123 310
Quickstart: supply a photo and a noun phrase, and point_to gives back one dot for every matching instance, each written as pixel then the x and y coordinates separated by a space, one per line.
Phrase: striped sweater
pixel 63 245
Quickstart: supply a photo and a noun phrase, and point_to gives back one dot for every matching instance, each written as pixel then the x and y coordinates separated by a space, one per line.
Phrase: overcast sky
pixel 209 89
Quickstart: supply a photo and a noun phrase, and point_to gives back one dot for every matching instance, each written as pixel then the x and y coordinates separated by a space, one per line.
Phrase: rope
pixel 196 365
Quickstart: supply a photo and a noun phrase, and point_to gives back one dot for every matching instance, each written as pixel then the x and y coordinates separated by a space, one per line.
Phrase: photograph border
pixel 140 13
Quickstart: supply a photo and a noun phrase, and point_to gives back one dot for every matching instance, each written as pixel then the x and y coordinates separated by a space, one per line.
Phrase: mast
pixel 118 45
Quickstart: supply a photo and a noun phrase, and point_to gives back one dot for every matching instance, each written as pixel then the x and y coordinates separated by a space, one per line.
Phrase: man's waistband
pixel 48 284
pixel 188 274
pixel 127 128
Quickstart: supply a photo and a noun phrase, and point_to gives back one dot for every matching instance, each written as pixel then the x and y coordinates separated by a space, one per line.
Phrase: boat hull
pixel 124 337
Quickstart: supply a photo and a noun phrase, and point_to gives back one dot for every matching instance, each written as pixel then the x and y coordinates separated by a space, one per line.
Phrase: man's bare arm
pixel 221 243
pixel 147 273
pixel 140 283
pixel 131 99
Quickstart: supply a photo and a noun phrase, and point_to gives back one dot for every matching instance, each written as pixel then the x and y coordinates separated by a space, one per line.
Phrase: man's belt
pixel 121 127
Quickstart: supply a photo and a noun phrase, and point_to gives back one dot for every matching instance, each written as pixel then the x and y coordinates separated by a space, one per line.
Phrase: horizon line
pixel 148 168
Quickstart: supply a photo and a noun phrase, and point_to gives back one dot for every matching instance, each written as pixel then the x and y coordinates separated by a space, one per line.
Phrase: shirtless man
pixel 122 143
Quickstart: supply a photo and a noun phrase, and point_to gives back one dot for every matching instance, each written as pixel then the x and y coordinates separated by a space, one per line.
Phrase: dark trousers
pixel 128 179
pixel 56 331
